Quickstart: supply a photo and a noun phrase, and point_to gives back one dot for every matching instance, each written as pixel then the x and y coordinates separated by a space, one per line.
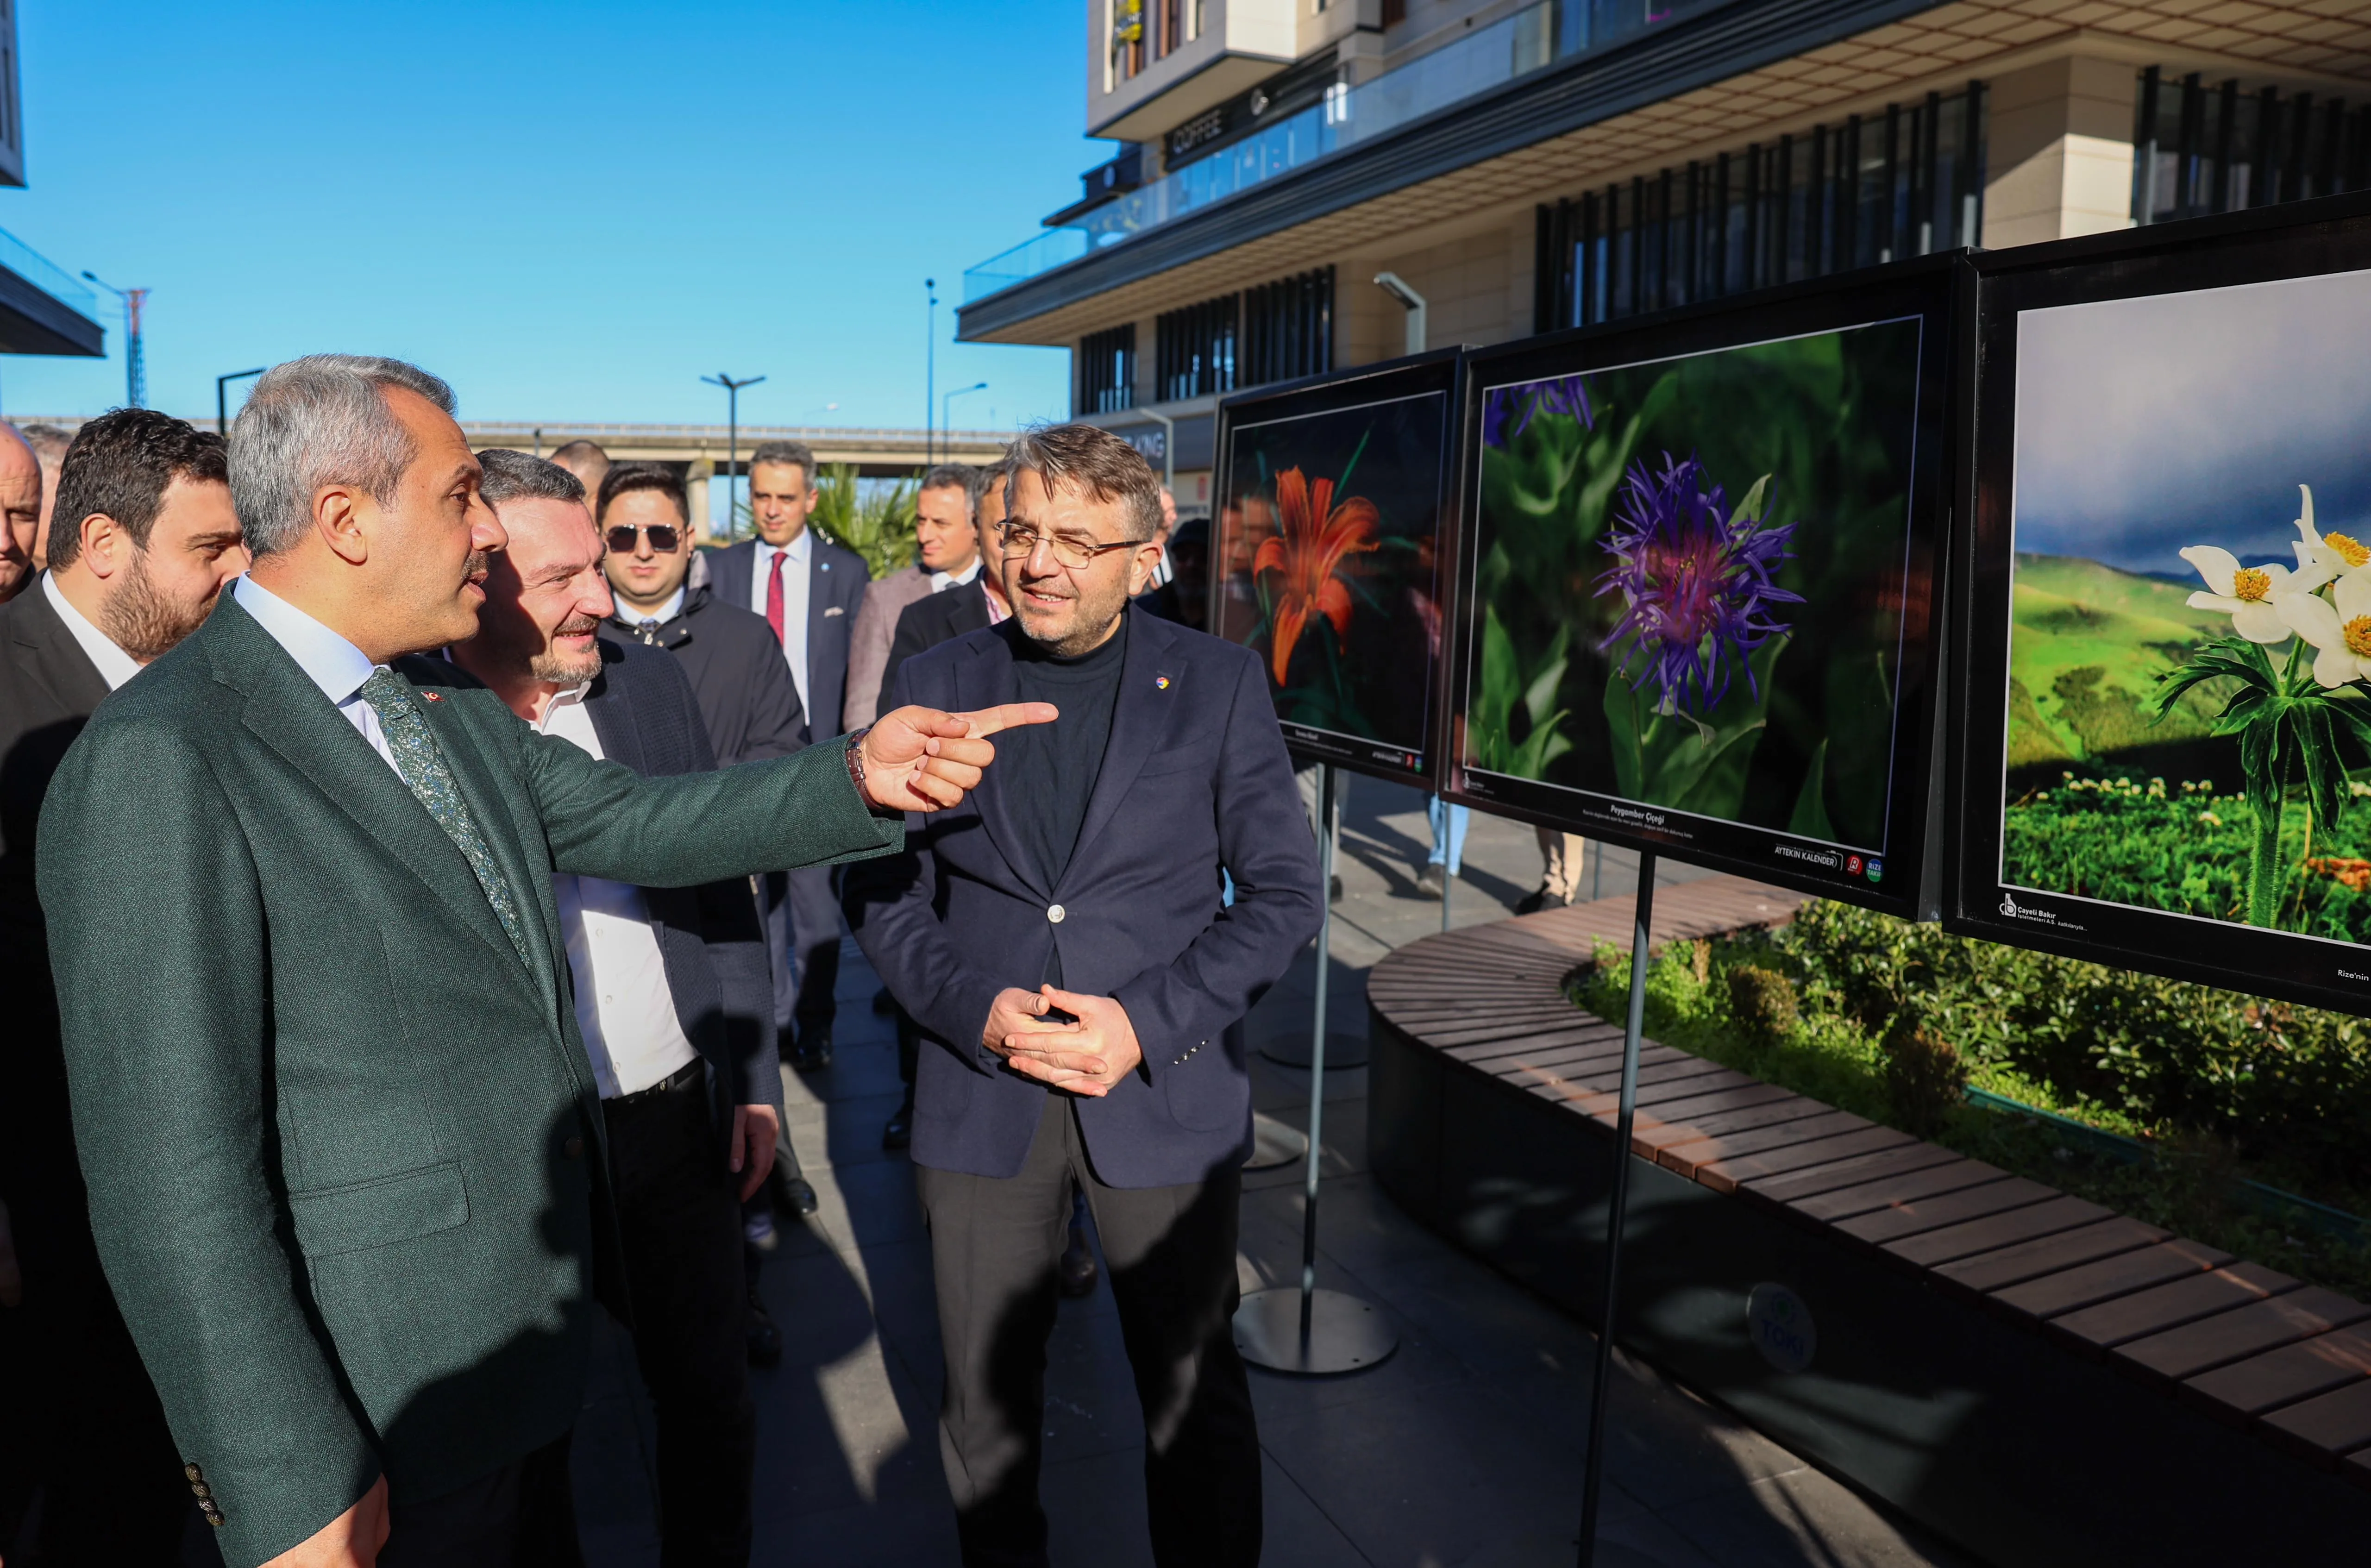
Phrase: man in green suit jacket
pixel 343 1144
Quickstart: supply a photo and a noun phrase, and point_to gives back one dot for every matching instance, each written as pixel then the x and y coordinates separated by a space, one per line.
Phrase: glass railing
pixel 47 276
pixel 1488 58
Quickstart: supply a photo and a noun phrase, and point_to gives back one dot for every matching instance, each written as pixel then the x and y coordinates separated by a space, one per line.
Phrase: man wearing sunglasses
pixel 1062 942
pixel 751 711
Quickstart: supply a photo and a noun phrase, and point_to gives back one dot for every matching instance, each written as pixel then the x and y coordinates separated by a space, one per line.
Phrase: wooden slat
pixel 1724 1175
pixel 2323 1431
pixel 2237 1394
pixel 2232 1329
pixel 1687 1159
pixel 1784 1188
pixel 1929 1248
pixel 2055 1295
pixel 1891 1191
pixel 2051 1254
pixel 1976 1202
pixel 1737 1110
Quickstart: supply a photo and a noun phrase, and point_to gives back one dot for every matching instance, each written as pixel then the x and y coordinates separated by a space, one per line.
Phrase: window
pixel 2200 148
pixel 1194 349
pixel 1288 329
pixel 1872 189
pixel 1107 371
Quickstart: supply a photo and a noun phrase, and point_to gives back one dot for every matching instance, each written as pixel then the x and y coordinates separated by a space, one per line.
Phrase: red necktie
pixel 774 597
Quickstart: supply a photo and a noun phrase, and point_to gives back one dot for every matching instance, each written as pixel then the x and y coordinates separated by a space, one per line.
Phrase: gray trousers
pixel 995 1245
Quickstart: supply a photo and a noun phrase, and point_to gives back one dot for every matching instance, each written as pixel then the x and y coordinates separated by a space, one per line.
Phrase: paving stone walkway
pixel 1465 1449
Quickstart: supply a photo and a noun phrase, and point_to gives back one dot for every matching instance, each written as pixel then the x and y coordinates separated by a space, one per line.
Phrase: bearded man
pixel 145 539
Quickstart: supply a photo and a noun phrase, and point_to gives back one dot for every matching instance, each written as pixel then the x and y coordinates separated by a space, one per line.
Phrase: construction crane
pixel 135 371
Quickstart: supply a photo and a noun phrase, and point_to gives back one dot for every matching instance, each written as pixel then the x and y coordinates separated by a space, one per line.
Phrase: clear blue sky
pixel 570 211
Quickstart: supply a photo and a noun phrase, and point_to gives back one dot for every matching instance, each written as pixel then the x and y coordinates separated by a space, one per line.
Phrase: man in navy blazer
pixel 809 590
pixel 1064 940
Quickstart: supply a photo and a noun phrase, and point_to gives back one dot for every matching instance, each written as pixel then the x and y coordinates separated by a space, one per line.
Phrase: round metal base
pixel 1294 1050
pixel 1346 1334
pixel 1274 1144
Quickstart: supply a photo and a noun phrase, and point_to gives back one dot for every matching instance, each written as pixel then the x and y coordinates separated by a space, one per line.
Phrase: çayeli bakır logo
pixel 2016 911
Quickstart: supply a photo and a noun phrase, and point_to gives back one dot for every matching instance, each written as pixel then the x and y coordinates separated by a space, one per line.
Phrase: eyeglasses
pixel 664 538
pixel 1020 541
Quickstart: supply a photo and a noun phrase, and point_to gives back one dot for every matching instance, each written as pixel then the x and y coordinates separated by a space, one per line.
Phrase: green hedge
pixel 1889 1018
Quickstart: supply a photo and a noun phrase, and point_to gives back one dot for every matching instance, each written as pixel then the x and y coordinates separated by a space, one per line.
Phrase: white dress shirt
pixel 624 1009
pixel 943 581
pixel 115 666
pixel 328 661
pixel 795 573
pixel 664 613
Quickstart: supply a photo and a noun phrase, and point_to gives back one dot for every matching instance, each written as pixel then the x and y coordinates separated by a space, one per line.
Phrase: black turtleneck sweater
pixel 1049 771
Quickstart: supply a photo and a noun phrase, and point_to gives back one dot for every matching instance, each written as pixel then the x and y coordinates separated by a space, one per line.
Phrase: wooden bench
pixel 2209 1341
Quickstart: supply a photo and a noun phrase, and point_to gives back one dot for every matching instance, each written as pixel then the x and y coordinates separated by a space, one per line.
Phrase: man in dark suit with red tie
pixel 809 590
pixel 1063 940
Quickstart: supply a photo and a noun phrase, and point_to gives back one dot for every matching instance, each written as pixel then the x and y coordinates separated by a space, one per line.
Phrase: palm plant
pixel 878 525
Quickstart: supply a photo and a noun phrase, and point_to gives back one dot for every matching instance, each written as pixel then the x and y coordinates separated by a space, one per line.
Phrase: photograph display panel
pixel 1329 558
pixel 2167 722
pixel 1697 582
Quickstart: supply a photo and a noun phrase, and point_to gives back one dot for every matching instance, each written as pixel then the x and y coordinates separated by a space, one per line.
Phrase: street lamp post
pixel 946 415
pixel 222 397
pixel 135 371
pixel 929 368
pixel 731 438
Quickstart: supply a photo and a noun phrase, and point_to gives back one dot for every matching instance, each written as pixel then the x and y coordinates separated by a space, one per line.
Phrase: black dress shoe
pixel 793 1194
pixel 899 1131
pixel 1078 1266
pixel 1335 891
pixel 764 1339
pixel 812 1053
pixel 1532 902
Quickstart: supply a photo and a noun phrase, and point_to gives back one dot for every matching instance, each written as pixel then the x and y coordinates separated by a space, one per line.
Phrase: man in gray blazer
pixel 343 1142
pixel 810 591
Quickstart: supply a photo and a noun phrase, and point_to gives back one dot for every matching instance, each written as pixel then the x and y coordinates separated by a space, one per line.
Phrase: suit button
pixel 1054 913
pixel 573 1148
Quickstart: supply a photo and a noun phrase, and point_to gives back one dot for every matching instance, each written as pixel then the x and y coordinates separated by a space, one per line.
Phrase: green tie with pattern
pixel 421 763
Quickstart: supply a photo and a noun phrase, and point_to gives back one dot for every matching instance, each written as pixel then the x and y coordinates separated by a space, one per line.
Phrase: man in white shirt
pixel 672 998
pixel 811 591
pixel 149 540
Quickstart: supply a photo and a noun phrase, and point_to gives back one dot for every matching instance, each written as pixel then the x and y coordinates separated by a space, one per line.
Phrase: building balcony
pixel 1481 62
pixel 43 310
pixel 1236 45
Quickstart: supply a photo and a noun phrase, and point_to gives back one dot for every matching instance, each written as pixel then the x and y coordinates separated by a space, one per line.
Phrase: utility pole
pixel 946 413
pixel 135 371
pixel 222 397
pixel 930 370
pixel 732 440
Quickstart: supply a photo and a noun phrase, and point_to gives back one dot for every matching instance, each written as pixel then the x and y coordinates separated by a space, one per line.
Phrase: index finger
pixel 1007 716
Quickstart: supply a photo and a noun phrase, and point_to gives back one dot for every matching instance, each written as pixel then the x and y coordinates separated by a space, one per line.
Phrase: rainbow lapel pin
pixel 1161 683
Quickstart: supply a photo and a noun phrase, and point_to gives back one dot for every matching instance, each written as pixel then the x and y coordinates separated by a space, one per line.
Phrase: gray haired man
pixel 810 591
pixel 362 1275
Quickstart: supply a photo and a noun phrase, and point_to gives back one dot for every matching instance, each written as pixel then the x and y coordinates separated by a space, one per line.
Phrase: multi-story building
pixel 1508 166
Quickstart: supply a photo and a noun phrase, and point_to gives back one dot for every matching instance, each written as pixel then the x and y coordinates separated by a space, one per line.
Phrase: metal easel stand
pixel 1343 1051
pixel 1311 1332
pixel 1602 1379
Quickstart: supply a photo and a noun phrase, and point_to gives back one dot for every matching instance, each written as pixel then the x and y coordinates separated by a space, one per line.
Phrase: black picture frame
pixel 1929 288
pixel 1433 374
pixel 2295 240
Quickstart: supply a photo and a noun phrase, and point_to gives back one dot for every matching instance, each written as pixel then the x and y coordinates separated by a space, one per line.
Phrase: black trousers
pixel 994 1245
pixel 81 1419
pixel 679 1217
pixel 520 1517
pixel 803 927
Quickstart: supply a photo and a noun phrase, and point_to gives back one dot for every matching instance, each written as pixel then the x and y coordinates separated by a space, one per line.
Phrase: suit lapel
pixel 289 714
pixel 58 661
pixel 1140 721
pixel 613 720
pixel 985 679
pixel 509 825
